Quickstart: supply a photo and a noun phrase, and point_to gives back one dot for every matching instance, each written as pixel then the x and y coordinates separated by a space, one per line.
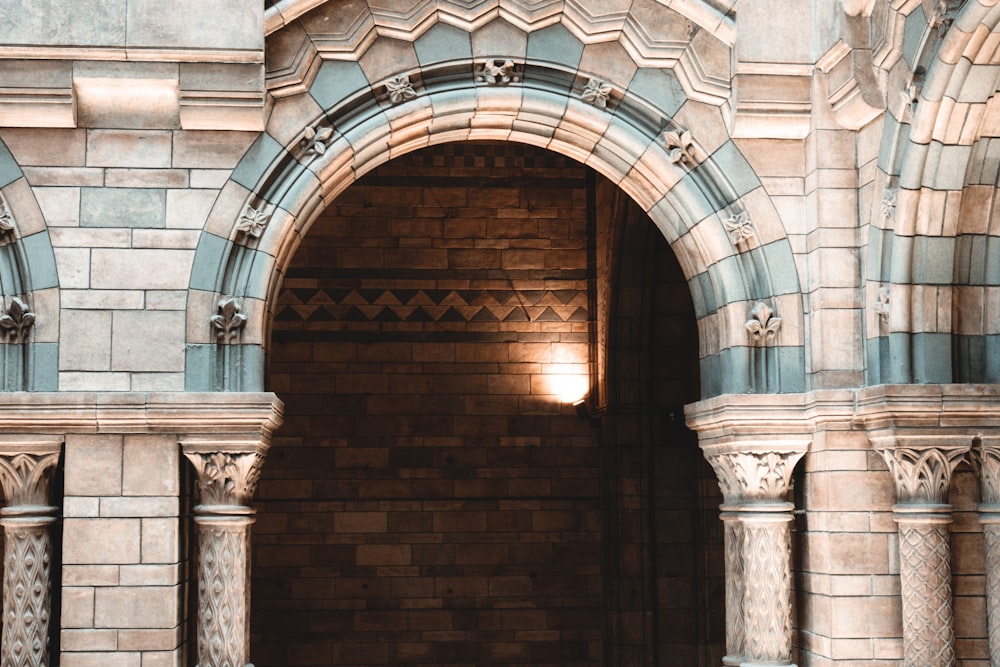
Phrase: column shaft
pixel 925 579
pixel 991 537
pixel 26 590
pixel 767 601
pixel 735 589
pixel 223 589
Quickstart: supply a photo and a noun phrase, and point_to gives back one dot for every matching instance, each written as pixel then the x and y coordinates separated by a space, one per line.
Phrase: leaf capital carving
pixel 757 476
pixel 227 473
pixel 921 474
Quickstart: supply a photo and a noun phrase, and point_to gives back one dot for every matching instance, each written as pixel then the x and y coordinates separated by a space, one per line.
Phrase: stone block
pixel 77 607
pixel 73 265
pixel 115 659
pixel 149 575
pixel 162 658
pixel 123 207
pixel 137 607
pixel 63 176
pixel 189 209
pixel 146 178
pixel 81 507
pixel 160 541
pixel 209 150
pixel 140 269
pixel 90 575
pixel 105 300
pixel 146 340
pixel 128 148
pixel 195 24
pixel 96 23
pixel 139 506
pixel 157 382
pixel 46 148
pixel 151 466
pixel 60 206
pixel 101 542
pixel 86 639
pixel 93 465
pixel 88 348
pixel 149 640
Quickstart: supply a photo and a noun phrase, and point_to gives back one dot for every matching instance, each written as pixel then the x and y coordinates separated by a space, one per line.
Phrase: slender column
pixel 987 459
pixel 25 473
pixel 227 476
pixel 921 475
pixel 758 547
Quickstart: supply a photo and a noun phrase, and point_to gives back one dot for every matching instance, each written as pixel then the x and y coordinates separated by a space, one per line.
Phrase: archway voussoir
pixel 289 115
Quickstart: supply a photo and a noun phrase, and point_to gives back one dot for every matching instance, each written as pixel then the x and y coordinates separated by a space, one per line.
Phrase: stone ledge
pixel 24 413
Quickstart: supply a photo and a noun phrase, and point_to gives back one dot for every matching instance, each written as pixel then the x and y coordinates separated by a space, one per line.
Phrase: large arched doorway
pixel 434 496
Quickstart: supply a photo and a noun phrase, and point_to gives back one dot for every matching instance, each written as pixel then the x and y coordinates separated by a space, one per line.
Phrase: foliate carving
pixel 681 147
pixel 767 601
pixel 498 72
pixel 888 207
pixel 26 594
pixel 316 139
pixel 25 477
pixel 400 89
pixel 925 578
pixel 229 321
pixel 740 227
pixel 882 303
pixel 226 478
pixel 911 95
pixel 253 222
pixel 922 475
pixel 763 324
pixel 7 224
pixel 986 459
pixel 597 93
pixel 17 320
pixel 944 15
pixel 755 476
pixel 223 595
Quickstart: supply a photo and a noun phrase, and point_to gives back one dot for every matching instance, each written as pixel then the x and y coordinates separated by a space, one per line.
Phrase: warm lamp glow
pixel 569 388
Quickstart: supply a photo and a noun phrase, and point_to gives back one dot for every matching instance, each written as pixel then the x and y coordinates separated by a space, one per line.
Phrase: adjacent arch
pixel 926 289
pixel 29 295
pixel 670 154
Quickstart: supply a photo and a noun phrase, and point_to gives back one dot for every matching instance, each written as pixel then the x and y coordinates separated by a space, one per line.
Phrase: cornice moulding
pixel 252 414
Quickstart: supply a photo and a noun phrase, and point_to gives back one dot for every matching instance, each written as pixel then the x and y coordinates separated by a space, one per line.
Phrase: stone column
pixel 921 474
pixel 987 459
pixel 25 472
pixel 755 485
pixel 227 476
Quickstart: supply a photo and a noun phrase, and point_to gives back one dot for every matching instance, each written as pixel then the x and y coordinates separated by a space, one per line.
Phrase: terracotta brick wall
pixel 431 499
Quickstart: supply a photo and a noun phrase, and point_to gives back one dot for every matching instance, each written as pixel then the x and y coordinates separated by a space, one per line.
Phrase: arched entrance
pixel 532 83
pixel 434 496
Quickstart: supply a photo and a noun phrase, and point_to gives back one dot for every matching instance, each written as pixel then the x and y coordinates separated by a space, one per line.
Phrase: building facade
pixel 500 332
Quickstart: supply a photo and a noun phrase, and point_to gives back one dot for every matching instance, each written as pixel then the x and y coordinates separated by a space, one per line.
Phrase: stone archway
pixel 650 130
pixel 669 153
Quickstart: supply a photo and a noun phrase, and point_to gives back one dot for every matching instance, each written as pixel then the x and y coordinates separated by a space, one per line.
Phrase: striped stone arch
pixel 29 287
pixel 537 84
pixel 933 262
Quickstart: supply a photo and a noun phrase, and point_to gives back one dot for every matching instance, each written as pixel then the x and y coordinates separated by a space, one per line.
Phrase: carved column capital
pixel 26 469
pixel 227 471
pixel 760 475
pixel 922 472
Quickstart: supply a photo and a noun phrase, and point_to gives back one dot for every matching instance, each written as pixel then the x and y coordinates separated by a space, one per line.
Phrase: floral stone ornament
pixel 763 324
pixel 229 321
pixel 17 320
pixel 400 89
pixel 498 72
